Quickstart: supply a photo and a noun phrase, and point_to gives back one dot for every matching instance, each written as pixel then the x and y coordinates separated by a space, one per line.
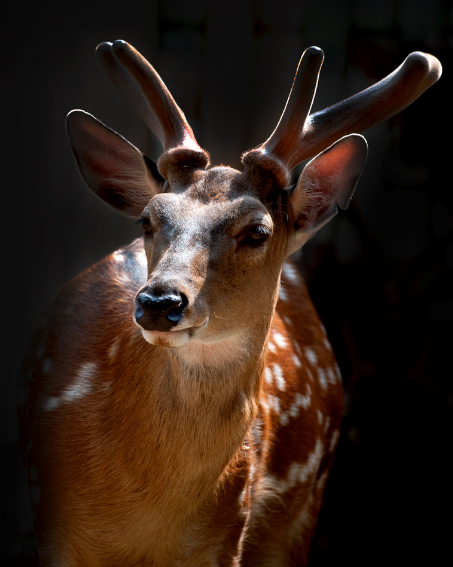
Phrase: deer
pixel 181 400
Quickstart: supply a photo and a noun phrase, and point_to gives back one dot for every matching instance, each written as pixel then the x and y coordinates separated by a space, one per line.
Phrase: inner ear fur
pixel 328 182
pixel 115 170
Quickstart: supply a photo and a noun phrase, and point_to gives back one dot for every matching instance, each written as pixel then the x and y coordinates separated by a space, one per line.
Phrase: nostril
pixel 175 313
pixel 139 312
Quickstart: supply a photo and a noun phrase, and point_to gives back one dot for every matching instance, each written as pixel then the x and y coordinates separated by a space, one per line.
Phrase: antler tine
pixel 394 93
pixel 273 153
pixel 297 138
pixel 128 88
pixel 173 129
pixel 290 126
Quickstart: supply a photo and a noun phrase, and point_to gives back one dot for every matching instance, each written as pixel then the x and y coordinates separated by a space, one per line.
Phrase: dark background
pixel 381 275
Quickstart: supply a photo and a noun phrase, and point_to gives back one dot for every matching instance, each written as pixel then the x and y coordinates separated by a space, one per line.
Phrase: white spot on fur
pixel 291 274
pixel 311 356
pixel 279 378
pixel 300 401
pixel 271 347
pixel 257 431
pixel 327 424
pixel 297 361
pixel 51 403
pixel 331 376
pixel 322 378
pixel 334 440
pixel 82 384
pixel 264 404
pixel 279 340
pixel 283 296
pixel 327 344
pixel 268 376
pixel 287 320
pixel 274 404
pixel 284 418
pixel 313 462
pixel 297 349
pixel 338 372
pixel 118 256
pixel 320 417
pixel 301 472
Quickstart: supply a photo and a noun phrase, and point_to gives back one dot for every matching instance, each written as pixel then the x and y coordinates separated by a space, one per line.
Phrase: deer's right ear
pixel 115 170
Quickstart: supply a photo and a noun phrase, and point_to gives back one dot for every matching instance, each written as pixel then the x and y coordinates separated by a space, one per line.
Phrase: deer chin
pixel 177 337
pixel 167 339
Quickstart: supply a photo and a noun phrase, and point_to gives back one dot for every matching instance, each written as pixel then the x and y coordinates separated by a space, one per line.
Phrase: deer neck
pixel 191 419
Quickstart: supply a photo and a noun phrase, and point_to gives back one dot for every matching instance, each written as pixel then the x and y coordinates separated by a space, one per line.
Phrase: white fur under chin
pixel 170 339
pixel 197 353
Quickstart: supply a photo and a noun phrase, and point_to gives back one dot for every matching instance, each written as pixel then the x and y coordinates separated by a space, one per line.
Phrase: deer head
pixel 215 237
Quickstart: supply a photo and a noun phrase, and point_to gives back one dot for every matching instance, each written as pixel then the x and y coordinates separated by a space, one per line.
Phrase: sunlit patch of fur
pixel 222 354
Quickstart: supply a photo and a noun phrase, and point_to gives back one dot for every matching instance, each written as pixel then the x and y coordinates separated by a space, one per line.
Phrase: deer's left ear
pixel 326 183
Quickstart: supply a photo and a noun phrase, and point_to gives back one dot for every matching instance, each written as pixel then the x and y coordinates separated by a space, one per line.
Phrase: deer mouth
pixel 174 337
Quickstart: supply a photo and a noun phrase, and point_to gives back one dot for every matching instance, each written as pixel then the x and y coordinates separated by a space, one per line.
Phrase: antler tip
pixel 314 53
pixel 120 45
pixel 429 65
pixel 103 45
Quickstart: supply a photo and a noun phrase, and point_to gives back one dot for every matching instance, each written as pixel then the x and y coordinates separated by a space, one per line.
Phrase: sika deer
pixel 184 401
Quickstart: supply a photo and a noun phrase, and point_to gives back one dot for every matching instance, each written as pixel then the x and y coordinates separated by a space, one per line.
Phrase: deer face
pixel 210 247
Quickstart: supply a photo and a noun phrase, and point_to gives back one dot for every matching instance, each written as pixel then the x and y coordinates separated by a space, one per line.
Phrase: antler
pixel 299 136
pixel 140 84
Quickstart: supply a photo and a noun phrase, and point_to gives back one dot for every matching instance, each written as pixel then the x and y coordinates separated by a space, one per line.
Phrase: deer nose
pixel 154 311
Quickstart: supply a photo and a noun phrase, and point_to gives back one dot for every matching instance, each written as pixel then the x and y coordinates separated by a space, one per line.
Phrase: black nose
pixel 159 312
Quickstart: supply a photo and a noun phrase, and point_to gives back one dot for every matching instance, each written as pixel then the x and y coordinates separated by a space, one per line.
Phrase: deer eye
pixel 255 235
pixel 146 223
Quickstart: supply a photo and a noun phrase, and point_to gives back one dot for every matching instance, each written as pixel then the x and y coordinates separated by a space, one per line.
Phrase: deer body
pixel 184 402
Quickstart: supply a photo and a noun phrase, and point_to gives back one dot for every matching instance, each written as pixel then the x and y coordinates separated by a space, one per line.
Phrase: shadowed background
pixel 380 275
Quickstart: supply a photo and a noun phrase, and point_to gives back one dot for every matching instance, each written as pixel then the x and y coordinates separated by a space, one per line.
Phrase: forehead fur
pixel 220 184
